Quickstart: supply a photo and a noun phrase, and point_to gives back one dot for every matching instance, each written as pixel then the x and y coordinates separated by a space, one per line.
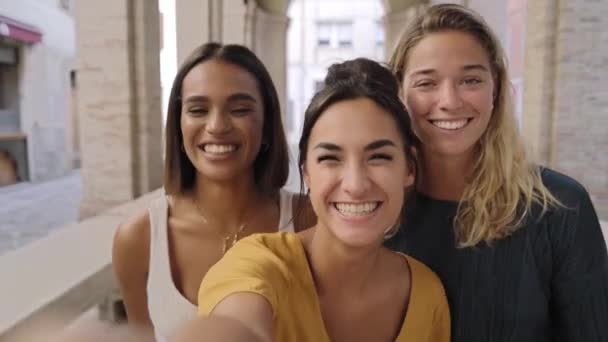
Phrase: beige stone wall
pixel 146 95
pixel 539 78
pixel 269 42
pixel 395 22
pixel 566 91
pixel 192 26
pixel 118 101
pixel 580 148
pixel 234 22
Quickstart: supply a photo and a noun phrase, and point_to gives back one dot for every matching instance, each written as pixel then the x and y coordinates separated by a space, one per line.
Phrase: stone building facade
pixel 561 79
pixel 37 118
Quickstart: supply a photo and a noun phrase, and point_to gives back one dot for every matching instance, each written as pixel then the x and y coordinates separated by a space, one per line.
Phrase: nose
pixel 356 181
pixel 449 97
pixel 218 122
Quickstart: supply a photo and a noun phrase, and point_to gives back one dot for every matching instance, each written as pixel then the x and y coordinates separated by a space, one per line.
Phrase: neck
pixel 444 177
pixel 338 269
pixel 227 204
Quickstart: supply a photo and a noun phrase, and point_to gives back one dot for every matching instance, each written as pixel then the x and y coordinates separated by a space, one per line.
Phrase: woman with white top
pixel 226 161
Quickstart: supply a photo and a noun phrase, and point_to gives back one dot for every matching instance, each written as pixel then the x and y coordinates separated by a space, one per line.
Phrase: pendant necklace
pixel 229 240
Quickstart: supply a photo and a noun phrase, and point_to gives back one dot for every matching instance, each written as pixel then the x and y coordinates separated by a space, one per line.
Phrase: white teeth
pixel 218 149
pixel 351 209
pixel 450 124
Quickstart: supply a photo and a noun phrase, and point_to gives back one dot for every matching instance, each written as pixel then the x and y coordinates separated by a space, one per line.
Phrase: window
pixel 345 35
pixel 335 34
pixel 379 34
pixel 323 34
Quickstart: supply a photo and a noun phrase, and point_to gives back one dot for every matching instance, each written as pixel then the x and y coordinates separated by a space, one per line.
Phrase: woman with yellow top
pixel 336 281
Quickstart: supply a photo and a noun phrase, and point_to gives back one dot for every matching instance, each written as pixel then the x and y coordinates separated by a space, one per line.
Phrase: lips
pixel 451 125
pixel 218 148
pixel 356 209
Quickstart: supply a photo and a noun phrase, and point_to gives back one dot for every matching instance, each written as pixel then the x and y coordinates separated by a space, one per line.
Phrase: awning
pixel 19 31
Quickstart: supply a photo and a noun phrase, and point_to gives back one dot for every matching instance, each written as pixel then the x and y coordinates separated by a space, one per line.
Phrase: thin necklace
pixel 229 240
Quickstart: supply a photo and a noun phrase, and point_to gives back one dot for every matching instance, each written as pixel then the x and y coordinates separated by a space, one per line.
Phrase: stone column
pixel 236 22
pixel 395 21
pixel 202 21
pixel 268 39
pixel 119 101
pixel 566 91
pixel 191 25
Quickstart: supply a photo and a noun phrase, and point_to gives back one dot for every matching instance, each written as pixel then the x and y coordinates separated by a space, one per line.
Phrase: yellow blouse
pixel 275 266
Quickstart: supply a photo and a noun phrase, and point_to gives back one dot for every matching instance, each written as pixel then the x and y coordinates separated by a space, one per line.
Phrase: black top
pixel 546 282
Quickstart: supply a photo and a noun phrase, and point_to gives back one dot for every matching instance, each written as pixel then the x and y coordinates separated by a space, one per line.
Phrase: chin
pixel 452 149
pixel 365 239
pixel 219 175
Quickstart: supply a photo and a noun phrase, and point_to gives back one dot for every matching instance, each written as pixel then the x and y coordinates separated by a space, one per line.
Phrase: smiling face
pixel 448 90
pixel 356 171
pixel 221 120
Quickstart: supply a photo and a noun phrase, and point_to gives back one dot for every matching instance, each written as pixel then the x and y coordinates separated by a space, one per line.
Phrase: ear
pixel 409 177
pixel 306 176
pixel 410 171
pixel 402 95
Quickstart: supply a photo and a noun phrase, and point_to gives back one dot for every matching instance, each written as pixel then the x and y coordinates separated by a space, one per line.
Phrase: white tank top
pixel 168 308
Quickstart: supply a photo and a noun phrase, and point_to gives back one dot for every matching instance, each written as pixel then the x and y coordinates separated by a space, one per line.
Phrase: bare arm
pixel 130 256
pixel 215 329
pixel 245 286
pixel 251 309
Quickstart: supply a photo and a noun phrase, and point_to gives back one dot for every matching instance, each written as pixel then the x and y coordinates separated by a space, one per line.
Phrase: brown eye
pixel 472 81
pixel 197 111
pixel 424 84
pixel 381 156
pixel 326 157
pixel 241 111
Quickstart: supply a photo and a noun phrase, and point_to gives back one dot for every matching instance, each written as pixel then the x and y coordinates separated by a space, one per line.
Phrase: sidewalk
pixel 30 211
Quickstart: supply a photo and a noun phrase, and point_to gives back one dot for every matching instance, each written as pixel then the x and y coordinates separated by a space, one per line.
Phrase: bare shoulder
pixel 131 245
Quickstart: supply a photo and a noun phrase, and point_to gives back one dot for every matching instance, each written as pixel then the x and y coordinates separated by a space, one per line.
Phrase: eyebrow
pixel 475 67
pixel 379 144
pixel 241 96
pixel 467 67
pixel 233 97
pixel 371 146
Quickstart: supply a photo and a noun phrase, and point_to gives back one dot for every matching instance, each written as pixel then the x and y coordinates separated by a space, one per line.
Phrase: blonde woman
pixel 518 247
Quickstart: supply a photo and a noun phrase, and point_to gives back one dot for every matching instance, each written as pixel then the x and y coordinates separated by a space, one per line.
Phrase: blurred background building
pixel 38 121
pixel 84 83
pixel 323 32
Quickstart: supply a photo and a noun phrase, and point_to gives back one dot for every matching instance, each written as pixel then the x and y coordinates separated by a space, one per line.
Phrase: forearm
pixel 216 328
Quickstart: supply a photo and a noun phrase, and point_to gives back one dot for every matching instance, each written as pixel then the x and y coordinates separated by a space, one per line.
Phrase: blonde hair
pixel 505 183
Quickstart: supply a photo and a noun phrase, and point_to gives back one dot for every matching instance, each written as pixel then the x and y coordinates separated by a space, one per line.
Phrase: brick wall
pixel 580 146
pixel 566 91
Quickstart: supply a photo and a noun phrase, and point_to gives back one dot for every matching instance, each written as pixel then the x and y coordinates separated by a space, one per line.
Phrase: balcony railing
pixel 63 275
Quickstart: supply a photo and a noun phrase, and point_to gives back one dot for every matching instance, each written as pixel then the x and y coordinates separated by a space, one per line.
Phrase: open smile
pixel 362 209
pixel 218 149
pixel 451 125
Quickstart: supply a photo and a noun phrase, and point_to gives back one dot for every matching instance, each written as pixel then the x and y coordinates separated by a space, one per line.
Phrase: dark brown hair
pixel 359 78
pixel 271 167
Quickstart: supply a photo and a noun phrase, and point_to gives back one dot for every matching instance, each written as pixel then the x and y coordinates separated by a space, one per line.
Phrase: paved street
pixel 30 211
